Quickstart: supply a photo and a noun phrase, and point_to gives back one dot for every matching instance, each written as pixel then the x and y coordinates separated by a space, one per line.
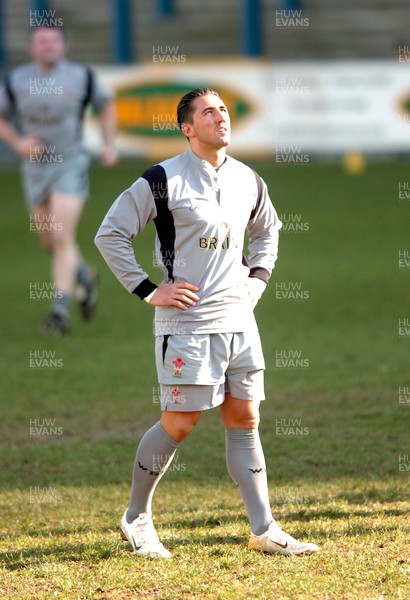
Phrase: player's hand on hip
pixel 29 145
pixel 182 295
pixel 255 288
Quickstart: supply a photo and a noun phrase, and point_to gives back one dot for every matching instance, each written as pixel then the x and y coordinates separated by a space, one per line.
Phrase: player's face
pixel 47 46
pixel 211 124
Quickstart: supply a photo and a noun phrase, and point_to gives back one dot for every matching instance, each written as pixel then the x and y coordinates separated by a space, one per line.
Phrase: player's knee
pixel 247 422
pixel 183 427
pixel 246 418
pixel 47 246
pixel 179 425
pixel 46 242
pixel 60 239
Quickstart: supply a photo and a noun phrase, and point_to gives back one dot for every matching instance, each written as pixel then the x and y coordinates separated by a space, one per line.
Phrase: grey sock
pixel 246 465
pixel 84 275
pixel 154 455
pixel 62 303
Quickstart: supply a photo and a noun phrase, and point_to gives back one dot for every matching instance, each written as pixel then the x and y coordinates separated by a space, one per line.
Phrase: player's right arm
pixel 128 217
pixel 24 146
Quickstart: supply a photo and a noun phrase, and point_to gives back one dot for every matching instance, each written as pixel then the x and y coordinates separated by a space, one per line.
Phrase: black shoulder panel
pixel 164 221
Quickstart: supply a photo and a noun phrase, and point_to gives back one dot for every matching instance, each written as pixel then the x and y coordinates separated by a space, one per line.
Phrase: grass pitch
pixel 334 427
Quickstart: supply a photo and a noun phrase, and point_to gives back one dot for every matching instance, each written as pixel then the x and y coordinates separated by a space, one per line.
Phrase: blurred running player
pixel 48 96
pixel 208 349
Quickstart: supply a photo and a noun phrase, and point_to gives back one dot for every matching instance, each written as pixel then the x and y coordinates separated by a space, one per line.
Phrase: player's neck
pixel 216 157
pixel 45 67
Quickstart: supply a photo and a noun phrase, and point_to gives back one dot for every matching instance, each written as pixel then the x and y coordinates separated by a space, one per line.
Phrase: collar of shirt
pixel 211 172
pixel 204 163
pixel 57 67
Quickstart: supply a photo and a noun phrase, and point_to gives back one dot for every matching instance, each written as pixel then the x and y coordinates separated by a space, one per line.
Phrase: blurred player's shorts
pixel 52 173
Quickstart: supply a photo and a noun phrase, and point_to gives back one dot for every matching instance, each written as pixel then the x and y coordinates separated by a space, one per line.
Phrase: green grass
pixel 338 485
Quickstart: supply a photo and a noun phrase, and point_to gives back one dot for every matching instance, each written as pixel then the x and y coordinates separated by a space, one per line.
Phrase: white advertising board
pixel 312 107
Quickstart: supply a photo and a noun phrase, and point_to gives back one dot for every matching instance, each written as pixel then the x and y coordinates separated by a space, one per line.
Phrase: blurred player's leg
pixel 41 214
pixel 58 320
pixel 64 213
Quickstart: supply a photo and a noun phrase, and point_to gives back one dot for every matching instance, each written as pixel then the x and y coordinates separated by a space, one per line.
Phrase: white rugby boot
pixel 142 536
pixel 275 540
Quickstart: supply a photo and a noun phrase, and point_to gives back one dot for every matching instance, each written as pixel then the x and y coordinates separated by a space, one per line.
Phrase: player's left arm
pixel 263 231
pixel 108 120
pixel 102 99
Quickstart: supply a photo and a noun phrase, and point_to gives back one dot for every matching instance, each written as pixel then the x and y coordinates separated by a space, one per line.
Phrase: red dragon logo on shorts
pixel 178 364
pixel 176 395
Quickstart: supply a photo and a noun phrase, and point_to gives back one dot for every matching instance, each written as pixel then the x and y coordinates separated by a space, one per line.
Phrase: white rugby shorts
pixel 69 176
pixel 195 371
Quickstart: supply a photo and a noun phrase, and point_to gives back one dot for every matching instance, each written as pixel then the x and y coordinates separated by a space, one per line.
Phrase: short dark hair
pixel 55 27
pixel 185 108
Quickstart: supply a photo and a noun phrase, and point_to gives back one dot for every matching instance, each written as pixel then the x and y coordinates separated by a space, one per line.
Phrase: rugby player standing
pixel 48 96
pixel 208 350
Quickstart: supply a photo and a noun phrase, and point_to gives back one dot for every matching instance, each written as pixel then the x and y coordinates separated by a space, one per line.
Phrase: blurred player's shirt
pixel 51 105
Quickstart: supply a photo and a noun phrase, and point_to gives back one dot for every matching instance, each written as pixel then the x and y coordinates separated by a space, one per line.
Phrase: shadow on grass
pixel 97 551
pixel 363 497
pixel 25 559
pixel 304 515
pixel 57 531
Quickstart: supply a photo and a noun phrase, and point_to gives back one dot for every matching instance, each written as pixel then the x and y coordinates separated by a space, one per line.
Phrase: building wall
pixel 325 29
